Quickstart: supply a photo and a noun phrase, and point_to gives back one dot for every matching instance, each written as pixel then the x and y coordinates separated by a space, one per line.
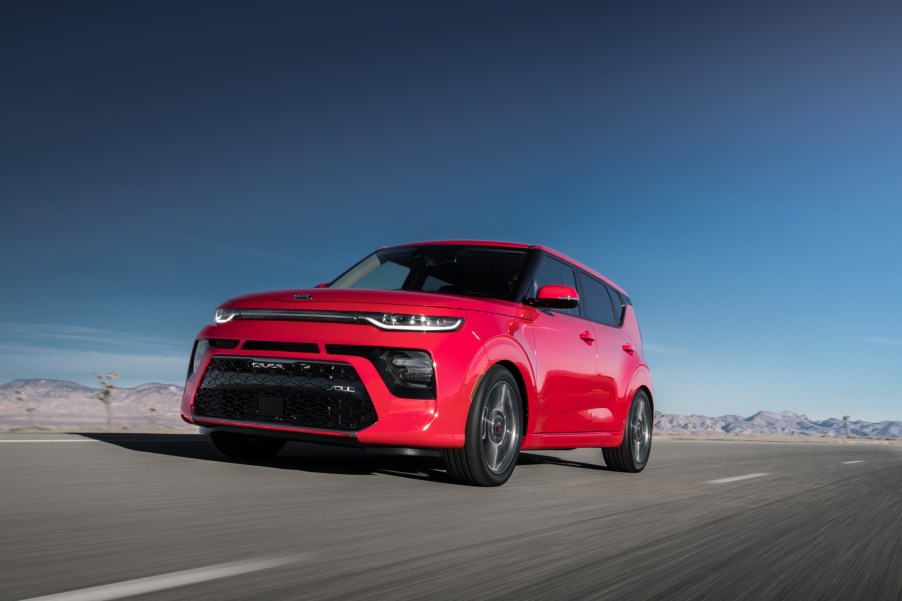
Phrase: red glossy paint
pixel 556 292
pixel 575 377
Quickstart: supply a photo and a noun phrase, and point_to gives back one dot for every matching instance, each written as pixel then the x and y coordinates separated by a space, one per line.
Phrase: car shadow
pixel 310 457
pixel 533 458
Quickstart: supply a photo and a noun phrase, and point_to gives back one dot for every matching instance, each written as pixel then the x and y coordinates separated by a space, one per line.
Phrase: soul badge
pixel 337 388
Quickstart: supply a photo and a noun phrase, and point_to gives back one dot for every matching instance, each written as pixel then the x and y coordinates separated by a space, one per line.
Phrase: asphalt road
pixel 153 517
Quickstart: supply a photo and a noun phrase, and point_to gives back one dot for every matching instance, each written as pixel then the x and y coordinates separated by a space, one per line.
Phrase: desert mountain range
pixel 62 404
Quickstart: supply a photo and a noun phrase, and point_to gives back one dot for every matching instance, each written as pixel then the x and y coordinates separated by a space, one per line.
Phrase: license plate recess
pixel 271 406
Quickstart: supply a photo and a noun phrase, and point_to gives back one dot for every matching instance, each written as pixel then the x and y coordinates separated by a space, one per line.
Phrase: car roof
pixel 500 244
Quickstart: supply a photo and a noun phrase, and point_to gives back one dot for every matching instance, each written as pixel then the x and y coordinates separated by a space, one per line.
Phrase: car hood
pixel 344 299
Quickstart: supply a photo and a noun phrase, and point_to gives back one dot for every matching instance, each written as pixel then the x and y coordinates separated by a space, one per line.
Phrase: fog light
pixel 197 355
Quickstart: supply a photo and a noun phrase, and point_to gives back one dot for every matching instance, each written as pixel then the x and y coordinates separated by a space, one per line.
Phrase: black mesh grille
pixel 313 394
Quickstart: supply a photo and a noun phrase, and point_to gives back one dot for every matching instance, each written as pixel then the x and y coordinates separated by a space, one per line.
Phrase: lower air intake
pixel 309 394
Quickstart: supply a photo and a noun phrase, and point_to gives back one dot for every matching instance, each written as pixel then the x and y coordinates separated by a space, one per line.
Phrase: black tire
pixel 493 434
pixel 633 453
pixel 246 447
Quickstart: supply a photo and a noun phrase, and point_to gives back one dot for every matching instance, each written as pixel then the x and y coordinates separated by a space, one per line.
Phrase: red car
pixel 472 349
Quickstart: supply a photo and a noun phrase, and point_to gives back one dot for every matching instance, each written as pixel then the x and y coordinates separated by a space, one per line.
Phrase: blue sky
pixel 736 166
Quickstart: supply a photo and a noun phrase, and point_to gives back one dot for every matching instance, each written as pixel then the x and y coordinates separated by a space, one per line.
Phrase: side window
pixel 617 303
pixel 552 271
pixel 595 300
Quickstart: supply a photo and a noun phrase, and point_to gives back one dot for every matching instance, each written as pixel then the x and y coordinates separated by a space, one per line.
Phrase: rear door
pixel 616 362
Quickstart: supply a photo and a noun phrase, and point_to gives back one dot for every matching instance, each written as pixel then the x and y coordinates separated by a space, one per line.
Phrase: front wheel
pixel 632 454
pixel 245 447
pixel 493 433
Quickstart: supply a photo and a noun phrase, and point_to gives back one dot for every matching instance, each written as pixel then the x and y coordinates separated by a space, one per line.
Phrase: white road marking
pixel 53 440
pixel 165 581
pixel 735 478
pixel 848 462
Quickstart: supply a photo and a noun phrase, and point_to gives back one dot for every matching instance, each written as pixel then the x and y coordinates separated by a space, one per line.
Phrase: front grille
pixel 311 394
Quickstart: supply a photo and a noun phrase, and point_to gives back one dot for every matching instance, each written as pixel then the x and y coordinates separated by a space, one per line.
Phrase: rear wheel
pixel 493 433
pixel 632 454
pixel 245 446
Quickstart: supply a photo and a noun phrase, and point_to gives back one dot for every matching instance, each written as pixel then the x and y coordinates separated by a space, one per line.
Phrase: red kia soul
pixel 474 350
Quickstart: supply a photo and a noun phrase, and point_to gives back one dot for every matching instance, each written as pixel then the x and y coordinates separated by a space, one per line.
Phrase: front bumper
pixel 329 396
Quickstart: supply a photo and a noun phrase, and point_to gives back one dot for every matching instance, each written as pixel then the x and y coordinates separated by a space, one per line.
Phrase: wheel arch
pixel 509 353
pixel 640 381
pixel 521 386
pixel 651 398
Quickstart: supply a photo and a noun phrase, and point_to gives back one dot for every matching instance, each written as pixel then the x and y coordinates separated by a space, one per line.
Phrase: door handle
pixel 628 348
pixel 586 336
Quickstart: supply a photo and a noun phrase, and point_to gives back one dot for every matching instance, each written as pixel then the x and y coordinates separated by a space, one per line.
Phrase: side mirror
pixel 554 296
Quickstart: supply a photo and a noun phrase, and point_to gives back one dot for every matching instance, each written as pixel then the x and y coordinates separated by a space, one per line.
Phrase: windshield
pixel 491 272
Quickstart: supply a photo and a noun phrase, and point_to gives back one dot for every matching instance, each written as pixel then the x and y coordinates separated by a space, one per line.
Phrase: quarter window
pixel 617 304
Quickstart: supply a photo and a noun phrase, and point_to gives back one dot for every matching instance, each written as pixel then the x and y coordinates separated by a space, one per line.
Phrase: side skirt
pixel 572 440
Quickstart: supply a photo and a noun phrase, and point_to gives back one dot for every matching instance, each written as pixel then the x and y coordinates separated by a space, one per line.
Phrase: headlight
pixel 224 315
pixel 410 369
pixel 422 323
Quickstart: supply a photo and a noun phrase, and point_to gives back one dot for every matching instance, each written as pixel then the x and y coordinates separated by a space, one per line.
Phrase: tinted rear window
pixel 595 300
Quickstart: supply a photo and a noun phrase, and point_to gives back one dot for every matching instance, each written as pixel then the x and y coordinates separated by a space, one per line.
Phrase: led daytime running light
pixel 384 321
pixel 396 321
pixel 225 315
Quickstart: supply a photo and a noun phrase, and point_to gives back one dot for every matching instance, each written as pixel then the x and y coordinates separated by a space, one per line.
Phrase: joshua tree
pixel 105 394
pixel 845 420
pixel 153 417
pixel 29 408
